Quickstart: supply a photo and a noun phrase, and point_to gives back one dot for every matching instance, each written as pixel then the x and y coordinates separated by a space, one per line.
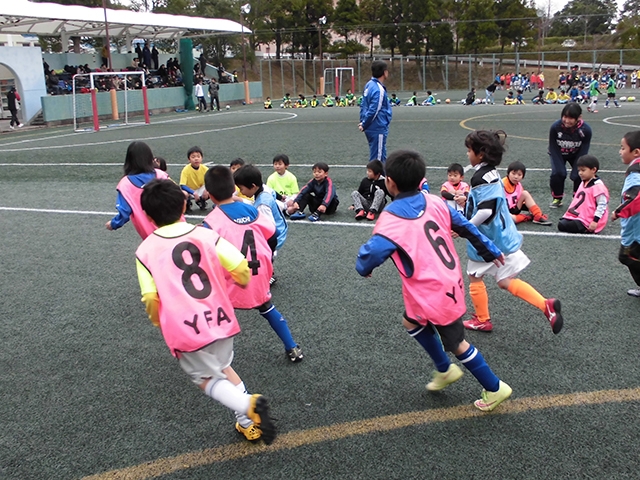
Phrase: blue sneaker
pixel 314 217
pixel 298 216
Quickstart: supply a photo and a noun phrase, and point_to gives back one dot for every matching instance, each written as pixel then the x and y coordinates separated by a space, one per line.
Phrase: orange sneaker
pixel 371 216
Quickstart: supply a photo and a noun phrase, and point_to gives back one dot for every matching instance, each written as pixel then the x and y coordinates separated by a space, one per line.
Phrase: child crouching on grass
pixel 522 206
pixel 415 231
pixel 588 212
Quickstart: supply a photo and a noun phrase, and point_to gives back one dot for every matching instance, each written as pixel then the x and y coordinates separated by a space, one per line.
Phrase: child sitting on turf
pixel 328 101
pixel 234 165
pixel 197 318
pixel 518 199
pixel 138 171
pixel 552 97
pixel 588 212
pixel 394 100
pixel 471 97
pixel 563 97
pixel 454 190
pixel 432 285
pixel 510 99
pixel 255 235
pixel 629 209
pixel 267 103
pixel 538 99
pixel 286 101
pixel 192 178
pixel 413 101
pixel 371 196
pixel 314 102
pixel 283 182
pixel 487 209
pixel 520 98
pixel 430 100
pixel 319 193
pixel 350 98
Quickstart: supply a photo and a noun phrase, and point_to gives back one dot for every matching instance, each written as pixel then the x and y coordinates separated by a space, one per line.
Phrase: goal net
pixel 109 99
pixel 338 80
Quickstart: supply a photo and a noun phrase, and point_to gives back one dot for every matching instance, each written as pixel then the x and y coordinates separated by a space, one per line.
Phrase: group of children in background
pixel 192 278
pixel 349 100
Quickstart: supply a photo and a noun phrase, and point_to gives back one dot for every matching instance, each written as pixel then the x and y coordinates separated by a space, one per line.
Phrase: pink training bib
pixel 434 290
pixel 132 194
pixel 251 239
pixel 513 197
pixel 195 309
pixel 583 206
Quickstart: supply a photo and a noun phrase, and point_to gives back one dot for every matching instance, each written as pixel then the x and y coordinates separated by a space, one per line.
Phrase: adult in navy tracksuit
pixel 375 112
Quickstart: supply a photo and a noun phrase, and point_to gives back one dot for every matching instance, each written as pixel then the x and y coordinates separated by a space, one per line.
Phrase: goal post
pixel 109 99
pixel 341 79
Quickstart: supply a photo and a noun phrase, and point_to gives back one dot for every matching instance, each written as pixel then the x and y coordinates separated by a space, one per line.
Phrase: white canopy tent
pixel 52 19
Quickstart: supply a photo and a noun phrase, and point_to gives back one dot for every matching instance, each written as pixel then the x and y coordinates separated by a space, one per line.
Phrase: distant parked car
pixel 569 42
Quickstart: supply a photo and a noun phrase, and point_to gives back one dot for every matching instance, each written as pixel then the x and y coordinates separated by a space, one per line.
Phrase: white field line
pixel 159 137
pixel 327 223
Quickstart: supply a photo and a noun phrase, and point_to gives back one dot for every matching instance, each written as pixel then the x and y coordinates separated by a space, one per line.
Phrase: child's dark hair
pixel 139 159
pixel 632 139
pixel 321 166
pixel 456 168
pixel 517 167
pixel 489 143
pixel 237 161
pixel 281 157
pixel 219 182
pixel 378 67
pixel 194 150
pixel 572 110
pixel 248 176
pixel 163 201
pixel 406 168
pixel 161 163
pixel 376 167
pixel 588 161
pixel 428 92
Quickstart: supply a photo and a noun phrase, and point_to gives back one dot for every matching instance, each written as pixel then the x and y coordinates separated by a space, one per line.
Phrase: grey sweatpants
pixel 361 203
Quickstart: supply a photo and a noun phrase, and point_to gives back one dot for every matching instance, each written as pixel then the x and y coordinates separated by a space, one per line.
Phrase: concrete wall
pixel 59 108
pixel 21 61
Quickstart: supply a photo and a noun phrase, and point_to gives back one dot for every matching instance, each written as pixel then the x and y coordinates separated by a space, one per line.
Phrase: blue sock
pixel 473 360
pixel 279 325
pixel 433 346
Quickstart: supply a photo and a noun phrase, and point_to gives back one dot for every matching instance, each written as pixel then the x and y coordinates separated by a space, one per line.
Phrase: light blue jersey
pixel 267 198
pixel 630 227
pixel 500 227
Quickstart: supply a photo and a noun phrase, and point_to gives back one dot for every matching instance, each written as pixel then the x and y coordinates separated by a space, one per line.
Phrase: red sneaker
pixel 475 324
pixel 360 215
pixel 371 216
pixel 553 313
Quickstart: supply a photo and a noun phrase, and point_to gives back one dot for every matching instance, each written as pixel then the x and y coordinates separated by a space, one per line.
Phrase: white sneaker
pixel 12 127
pixel 634 292
pixel 20 125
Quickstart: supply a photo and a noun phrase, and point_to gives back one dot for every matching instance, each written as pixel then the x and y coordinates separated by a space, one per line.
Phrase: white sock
pixel 228 395
pixel 241 418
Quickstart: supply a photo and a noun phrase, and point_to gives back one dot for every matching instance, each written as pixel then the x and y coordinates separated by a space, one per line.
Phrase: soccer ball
pixel 282 105
pixel 438 101
pixel 448 100
pixel 228 107
pixel 631 99
pixel 623 99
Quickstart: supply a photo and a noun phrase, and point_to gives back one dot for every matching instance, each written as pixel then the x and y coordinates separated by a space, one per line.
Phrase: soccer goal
pixel 339 80
pixel 109 99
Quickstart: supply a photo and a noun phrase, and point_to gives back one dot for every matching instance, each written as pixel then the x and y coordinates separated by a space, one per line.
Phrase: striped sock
pixel 473 360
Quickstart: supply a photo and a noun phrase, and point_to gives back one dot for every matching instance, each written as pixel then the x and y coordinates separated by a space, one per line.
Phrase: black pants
pixel 217 100
pixel 559 174
pixel 572 226
pixel 315 202
pixel 630 256
pixel 202 104
pixel 14 118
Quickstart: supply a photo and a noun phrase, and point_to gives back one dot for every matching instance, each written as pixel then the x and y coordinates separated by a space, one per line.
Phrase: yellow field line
pixel 463 124
pixel 292 440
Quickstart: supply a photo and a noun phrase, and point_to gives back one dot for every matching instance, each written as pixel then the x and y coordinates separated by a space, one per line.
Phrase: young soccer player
pixel 314 102
pixel 371 196
pixel 454 190
pixel 267 103
pixel 594 91
pixel 181 270
pixel 413 101
pixel 139 169
pixel 282 181
pixel 350 98
pixel 235 165
pixel 510 99
pixel 328 101
pixel 629 210
pixel 588 212
pixel 319 193
pixel 415 231
pixel 611 93
pixel 487 209
pixel 518 199
pixel 255 235
pixel 192 178
pixel 286 101
pixel 394 100
pixel 430 100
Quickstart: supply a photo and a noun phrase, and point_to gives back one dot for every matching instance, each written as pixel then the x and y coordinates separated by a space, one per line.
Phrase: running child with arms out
pixel 415 231
pixel 194 312
pixel 371 196
pixel 522 206
pixel 255 235
pixel 588 212
pixel 487 209
pixel 454 190
pixel 139 169
pixel 629 210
